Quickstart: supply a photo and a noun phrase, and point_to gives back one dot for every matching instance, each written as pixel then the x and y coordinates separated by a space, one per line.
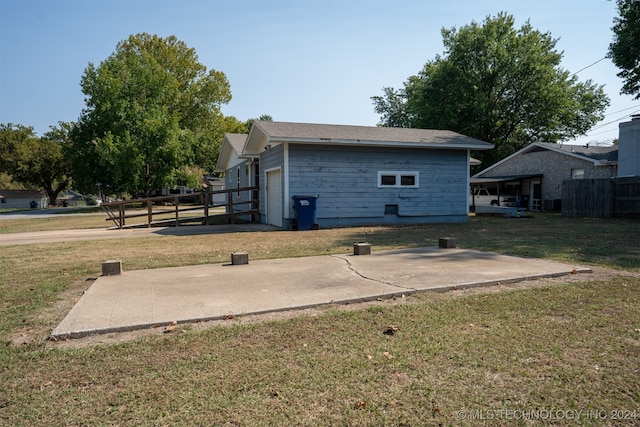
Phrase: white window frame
pixel 577 173
pixel 398 179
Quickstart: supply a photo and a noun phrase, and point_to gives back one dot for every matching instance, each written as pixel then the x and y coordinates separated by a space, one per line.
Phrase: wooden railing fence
pixel 170 210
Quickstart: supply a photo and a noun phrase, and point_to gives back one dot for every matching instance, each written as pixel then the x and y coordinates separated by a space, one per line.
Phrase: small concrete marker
pixel 362 249
pixel 446 242
pixel 239 258
pixel 112 267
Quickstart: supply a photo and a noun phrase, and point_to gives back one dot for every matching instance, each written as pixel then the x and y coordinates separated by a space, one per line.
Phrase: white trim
pixel 398 178
pixel 285 177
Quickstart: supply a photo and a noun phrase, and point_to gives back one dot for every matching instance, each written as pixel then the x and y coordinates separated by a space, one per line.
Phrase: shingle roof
pixel 21 194
pixel 336 134
pixel 236 140
pixel 594 152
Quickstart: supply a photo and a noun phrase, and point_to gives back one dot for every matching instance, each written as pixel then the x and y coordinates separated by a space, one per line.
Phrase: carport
pixel 528 187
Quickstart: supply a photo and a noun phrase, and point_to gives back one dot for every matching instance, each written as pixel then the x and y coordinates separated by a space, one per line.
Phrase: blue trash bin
pixel 306 215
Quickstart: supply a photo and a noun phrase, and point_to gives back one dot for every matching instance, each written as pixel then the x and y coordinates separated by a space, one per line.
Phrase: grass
pixel 568 345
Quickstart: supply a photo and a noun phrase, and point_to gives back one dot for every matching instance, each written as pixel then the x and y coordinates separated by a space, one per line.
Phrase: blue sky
pixel 317 61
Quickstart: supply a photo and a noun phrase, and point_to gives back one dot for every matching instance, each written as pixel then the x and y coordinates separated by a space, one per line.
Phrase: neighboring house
pixel 22 199
pixel 361 175
pixel 629 143
pixel 69 198
pixel 537 171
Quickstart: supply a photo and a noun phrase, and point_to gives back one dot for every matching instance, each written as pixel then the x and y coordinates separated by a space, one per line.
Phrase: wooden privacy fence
pixel 601 198
pixel 241 204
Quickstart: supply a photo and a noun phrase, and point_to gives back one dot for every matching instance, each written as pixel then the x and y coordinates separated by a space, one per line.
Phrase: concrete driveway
pixel 150 298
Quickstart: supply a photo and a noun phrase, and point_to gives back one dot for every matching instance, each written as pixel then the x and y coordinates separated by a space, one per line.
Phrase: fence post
pixel 121 213
pixel 149 213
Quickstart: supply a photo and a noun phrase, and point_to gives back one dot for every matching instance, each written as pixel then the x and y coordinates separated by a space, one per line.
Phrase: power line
pixel 620 111
pixel 588 66
pixel 600 126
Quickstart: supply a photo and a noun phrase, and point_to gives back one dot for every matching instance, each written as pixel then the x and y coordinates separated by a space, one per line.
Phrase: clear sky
pixel 317 61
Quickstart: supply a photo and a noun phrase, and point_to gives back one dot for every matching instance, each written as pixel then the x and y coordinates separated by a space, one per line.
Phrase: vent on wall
pixel 391 209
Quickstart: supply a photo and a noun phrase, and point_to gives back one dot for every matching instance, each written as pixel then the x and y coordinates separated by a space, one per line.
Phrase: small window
pixel 398 179
pixel 3 200
pixel 577 173
pixel 388 180
pixel 407 180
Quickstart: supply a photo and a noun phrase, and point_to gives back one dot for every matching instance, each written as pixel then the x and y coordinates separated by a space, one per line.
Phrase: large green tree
pixel 152 113
pixel 625 48
pixel 36 162
pixel 497 83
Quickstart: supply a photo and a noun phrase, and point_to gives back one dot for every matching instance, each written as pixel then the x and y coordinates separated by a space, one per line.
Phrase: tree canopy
pixel 498 84
pixel 35 162
pixel 625 48
pixel 152 117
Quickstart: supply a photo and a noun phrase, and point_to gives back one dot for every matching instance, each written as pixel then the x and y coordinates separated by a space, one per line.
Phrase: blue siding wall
pixel 346 179
pixel 237 177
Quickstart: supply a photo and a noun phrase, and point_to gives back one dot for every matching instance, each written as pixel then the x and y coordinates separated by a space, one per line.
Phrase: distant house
pixel 69 198
pixel 22 199
pixel 362 175
pixel 537 171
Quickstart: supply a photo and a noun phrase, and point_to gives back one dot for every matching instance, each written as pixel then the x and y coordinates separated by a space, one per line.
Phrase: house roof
pixel 598 155
pixel 593 152
pixel 232 145
pixel 264 133
pixel 505 178
pixel 22 194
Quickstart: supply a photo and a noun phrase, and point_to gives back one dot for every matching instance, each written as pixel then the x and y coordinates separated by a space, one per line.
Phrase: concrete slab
pixel 147 298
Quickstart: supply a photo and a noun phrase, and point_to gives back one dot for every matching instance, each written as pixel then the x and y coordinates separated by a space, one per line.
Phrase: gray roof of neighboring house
pixel 311 133
pixel 22 194
pixel 598 155
pixel 594 152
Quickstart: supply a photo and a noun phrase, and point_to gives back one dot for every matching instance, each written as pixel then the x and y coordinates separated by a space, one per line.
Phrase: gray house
pixel 361 175
pixel 537 171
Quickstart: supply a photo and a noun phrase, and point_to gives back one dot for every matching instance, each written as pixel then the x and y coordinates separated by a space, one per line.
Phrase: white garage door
pixel 274 198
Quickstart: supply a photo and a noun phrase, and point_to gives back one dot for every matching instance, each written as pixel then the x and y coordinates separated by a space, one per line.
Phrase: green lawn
pixel 564 346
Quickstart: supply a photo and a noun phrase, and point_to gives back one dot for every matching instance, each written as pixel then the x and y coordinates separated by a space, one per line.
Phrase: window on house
pixel 577 173
pixel 3 200
pixel 238 179
pixel 398 179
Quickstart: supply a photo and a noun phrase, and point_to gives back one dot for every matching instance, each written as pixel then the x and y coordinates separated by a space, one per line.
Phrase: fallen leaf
pixel 388 355
pixel 175 322
pixel 229 317
pixel 574 271
pixel 360 405
pixel 369 356
pixel 169 329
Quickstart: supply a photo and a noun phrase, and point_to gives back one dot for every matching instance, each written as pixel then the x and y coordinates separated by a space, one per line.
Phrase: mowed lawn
pixel 554 352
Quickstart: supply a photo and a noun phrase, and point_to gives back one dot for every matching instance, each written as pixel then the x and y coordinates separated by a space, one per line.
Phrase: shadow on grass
pixel 608 243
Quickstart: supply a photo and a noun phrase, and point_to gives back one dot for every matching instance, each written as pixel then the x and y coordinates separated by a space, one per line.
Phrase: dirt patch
pixel 70 296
